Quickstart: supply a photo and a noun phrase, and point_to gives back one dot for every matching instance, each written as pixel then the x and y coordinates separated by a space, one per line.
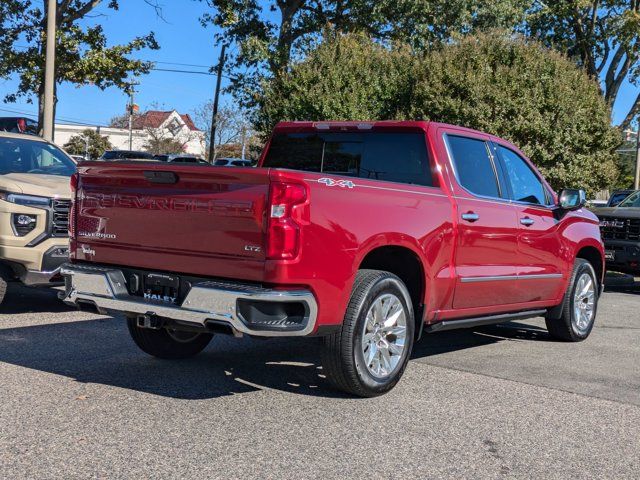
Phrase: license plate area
pixel 609 255
pixel 160 287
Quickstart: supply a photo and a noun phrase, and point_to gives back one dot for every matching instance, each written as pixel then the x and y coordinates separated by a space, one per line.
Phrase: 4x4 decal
pixel 330 182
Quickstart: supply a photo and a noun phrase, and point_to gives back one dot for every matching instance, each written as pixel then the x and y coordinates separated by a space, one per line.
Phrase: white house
pixel 159 124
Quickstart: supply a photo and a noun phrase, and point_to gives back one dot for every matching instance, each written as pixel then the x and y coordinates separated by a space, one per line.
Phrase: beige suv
pixel 35 197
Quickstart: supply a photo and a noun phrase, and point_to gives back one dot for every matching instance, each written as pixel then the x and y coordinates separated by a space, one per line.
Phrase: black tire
pixel 164 344
pixel 561 324
pixel 3 286
pixel 343 360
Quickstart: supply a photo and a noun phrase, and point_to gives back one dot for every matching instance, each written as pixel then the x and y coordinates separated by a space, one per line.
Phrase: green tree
pixel 268 35
pixel 159 145
pixel 82 54
pixel 602 36
pixel 528 94
pixel 89 141
pixel 519 90
pixel 348 77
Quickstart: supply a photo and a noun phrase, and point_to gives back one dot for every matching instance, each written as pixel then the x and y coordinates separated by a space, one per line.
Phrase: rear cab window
pixel 389 156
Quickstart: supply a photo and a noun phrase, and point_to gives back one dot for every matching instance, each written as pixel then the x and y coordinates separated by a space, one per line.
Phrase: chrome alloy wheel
pixel 583 303
pixel 384 335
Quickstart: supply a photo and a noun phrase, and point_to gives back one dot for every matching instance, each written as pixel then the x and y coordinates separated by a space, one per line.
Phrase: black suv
pixel 126 155
pixel 620 228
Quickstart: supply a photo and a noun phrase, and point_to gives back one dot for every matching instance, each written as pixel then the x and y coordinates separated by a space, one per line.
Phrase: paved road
pixel 78 400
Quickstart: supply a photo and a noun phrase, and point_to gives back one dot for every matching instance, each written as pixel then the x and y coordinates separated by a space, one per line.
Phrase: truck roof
pixel 351 125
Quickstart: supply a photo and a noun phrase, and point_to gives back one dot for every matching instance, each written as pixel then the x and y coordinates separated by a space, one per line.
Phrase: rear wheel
pixel 368 356
pixel 167 343
pixel 579 307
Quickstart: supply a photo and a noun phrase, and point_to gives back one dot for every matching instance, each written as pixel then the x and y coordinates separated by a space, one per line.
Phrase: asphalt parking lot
pixel 78 400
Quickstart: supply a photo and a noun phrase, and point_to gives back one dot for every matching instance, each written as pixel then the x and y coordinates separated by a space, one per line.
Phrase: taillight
pixel 286 212
pixel 73 183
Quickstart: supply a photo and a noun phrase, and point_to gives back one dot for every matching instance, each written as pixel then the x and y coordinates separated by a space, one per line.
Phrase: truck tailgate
pixel 201 220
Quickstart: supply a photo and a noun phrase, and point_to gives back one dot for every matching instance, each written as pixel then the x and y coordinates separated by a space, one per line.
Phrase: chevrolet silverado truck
pixel 35 198
pixel 620 229
pixel 366 234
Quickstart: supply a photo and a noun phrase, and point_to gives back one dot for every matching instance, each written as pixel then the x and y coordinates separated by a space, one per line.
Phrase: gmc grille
pixel 60 223
pixel 620 229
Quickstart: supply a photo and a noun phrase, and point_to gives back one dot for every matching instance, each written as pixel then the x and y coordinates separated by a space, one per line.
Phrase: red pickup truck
pixel 364 233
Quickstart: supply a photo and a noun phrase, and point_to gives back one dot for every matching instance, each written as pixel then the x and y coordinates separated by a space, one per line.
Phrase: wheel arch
pixel 406 264
pixel 594 256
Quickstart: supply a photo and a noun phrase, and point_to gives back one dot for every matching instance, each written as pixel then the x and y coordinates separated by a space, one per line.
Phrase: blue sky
pixel 183 41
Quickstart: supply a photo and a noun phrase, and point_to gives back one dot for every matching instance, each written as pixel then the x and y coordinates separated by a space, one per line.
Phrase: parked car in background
pixel 620 227
pixel 18 125
pixel 363 233
pixel 125 155
pixel 232 162
pixel 180 158
pixel 35 199
pixel 618 196
pixel 596 203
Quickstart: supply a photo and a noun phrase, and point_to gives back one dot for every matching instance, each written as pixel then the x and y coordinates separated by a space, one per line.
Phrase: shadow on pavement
pixel 437 343
pixel 101 351
pixel 21 299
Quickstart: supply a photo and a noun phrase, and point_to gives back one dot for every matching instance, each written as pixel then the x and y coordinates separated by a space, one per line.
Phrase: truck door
pixel 487 245
pixel 540 266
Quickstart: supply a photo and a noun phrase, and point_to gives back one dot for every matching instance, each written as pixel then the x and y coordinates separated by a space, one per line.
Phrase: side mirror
pixel 572 199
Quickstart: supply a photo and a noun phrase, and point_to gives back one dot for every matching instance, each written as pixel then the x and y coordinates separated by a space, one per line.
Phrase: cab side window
pixel 525 184
pixel 474 167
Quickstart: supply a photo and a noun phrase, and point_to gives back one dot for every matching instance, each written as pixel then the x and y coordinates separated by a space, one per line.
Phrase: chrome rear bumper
pixel 106 288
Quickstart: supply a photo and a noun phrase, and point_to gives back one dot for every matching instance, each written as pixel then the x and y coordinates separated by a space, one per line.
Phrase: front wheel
pixel 579 307
pixel 368 356
pixel 4 283
pixel 166 343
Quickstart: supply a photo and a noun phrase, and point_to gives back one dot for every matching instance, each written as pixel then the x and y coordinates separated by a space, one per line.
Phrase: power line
pixel 180 64
pixel 183 71
pixel 173 70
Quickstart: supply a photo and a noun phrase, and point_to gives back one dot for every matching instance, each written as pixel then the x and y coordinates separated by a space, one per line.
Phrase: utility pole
pixel 130 108
pixel 244 139
pixel 49 71
pixel 216 97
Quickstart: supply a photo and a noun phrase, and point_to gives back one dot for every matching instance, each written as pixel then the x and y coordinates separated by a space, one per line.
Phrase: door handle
pixel 527 222
pixel 471 217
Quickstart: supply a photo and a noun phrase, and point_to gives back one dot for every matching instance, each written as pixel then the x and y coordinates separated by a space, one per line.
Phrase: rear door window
pixel 474 166
pixel 394 157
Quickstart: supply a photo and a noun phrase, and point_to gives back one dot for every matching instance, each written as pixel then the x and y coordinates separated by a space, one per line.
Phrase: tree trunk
pixel 41 107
